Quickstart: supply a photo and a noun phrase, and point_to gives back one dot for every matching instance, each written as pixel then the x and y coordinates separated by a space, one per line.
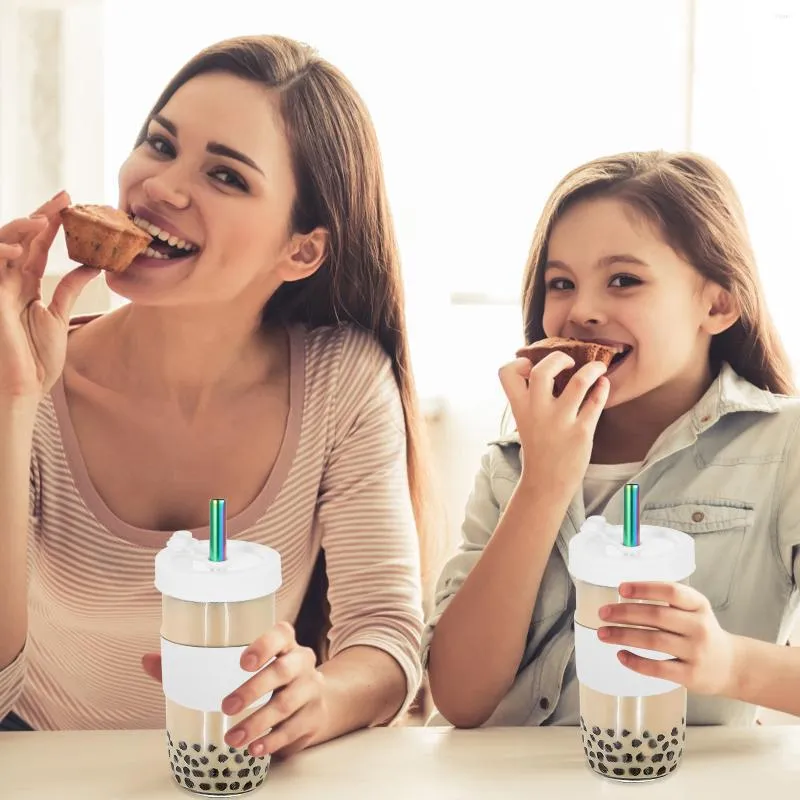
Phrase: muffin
pixel 581 352
pixel 102 237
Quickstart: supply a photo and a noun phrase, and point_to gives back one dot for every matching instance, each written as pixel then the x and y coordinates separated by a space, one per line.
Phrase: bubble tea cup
pixel 217 598
pixel 633 726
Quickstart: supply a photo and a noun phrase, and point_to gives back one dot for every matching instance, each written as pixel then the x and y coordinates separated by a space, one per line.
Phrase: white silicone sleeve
pixel 202 677
pixel 598 667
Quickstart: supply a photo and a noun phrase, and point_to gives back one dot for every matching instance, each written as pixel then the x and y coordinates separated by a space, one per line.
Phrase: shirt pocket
pixel 719 528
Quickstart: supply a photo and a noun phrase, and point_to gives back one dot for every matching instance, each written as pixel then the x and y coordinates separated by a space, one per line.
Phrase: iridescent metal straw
pixel 216 545
pixel 630 529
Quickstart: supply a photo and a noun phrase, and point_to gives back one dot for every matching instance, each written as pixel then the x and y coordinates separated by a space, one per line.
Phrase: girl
pixel 265 361
pixel 648 251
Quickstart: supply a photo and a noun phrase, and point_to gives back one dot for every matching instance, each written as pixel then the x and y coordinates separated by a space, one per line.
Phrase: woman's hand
pixel 33 337
pixel 556 432
pixel 704 654
pixel 296 713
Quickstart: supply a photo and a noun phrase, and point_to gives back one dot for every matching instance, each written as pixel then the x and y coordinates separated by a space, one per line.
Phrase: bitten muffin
pixel 581 352
pixel 102 237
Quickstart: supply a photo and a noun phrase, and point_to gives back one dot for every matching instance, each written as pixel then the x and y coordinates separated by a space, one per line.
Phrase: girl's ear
pixel 305 254
pixel 722 311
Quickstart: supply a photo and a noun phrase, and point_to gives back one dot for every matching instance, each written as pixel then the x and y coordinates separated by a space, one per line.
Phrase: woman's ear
pixel 305 254
pixel 721 309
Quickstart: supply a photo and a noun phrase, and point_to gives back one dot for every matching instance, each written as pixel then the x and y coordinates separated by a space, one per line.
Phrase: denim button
pixel 698 516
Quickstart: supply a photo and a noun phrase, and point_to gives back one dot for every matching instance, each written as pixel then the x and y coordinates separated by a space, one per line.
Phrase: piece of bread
pixel 581 352
pixel 102 237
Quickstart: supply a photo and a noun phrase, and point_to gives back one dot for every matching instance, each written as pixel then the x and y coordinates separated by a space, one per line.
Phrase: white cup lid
pixel 183 571
pixel 598 556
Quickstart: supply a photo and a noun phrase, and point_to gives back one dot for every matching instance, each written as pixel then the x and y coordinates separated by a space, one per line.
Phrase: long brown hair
pixel 694 205
pixel 340 187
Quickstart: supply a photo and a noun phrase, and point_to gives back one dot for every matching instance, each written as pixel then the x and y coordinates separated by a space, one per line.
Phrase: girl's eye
pixel 160 145
pixel 229 178
pixel 624 281
pixel 559 285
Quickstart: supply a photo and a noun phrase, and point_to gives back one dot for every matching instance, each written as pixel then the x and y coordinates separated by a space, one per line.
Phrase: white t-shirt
pixel 602 480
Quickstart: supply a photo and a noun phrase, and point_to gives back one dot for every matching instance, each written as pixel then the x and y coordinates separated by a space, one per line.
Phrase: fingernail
pixel 57 195
pixel 603 633
pixel 604 612
pixel 235 737
pixel 257 749
pixel 232 704
pixel 250 661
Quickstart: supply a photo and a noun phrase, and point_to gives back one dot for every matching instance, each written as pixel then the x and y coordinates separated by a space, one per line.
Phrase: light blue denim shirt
pixel 728 474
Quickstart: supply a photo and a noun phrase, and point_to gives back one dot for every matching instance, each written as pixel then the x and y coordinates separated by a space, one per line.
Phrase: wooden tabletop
pixel 408 763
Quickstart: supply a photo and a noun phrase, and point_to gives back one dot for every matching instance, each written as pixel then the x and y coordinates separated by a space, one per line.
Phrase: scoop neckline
pixel 237 524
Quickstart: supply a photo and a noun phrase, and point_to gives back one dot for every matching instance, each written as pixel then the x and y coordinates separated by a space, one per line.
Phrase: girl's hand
pixel 704 654
pixel 297 711
pixel 33 337
pixel 556 432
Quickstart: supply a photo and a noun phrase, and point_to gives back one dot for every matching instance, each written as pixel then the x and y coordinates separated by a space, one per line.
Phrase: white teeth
pixel 164 236
pixel 150 253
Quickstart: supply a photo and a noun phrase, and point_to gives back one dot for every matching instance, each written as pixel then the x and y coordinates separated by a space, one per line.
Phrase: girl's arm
pixel 767 675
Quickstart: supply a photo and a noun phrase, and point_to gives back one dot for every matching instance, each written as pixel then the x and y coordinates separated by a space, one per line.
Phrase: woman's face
pixel 213 181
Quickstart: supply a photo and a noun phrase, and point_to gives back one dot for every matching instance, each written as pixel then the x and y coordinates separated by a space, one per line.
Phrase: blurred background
pixel 480 108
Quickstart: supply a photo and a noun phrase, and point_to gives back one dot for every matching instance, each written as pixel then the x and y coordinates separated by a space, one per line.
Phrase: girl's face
pixel 214 179
pixel 611 278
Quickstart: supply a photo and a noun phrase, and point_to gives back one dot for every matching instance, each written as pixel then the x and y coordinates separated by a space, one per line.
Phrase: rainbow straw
pixel 216 545
pixel 630 529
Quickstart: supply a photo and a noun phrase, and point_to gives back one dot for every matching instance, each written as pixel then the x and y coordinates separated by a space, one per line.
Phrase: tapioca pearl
pixel 195 763
pixel 189 783
pixel 212 748
pixel 660 737
pixel 260 781
pixel 641 757
pixel 600 756
pixel 213 773
pixel 608 748
pixel 672 768
pixel 661 771
pixel 627 758
pixel 175 758
pixel 625 733
pixel 231 750
pixel 603 768
pixel 636 742
pixel 196 747
pixel 601 744
pixel 198 773
pixel 204 760
pixel 256 770
pixel 658 757
pixel 226 773
pixel 591 763
pixel 187 760
pixel 234 786
pixel 251 761
pixel 612 759
pixel 665 746
pixel 619 771
pixel 674 742
pixel 652 744
pixel 220 787
pixel 618 745
pixel 182 745
pixel 635 771
pixel 673 732
pixel 645 734
pixel 222 758
pixel 243 773
pixel 610 732
pixel 179 778
pixel 683 720
pixel 670 755
pixel 647 771
pixel 205 787
pixel 683 738
pixel 248 786
pixel 186 771
pixel 596 730
pixel 239 758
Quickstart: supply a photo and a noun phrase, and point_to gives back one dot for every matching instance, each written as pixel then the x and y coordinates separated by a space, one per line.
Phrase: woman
pixel 262 358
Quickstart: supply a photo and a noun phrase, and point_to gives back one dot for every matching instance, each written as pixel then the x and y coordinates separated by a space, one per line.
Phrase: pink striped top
pixel 339 482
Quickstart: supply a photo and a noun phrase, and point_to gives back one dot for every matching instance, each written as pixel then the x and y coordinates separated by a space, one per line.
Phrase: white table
pixel 407 763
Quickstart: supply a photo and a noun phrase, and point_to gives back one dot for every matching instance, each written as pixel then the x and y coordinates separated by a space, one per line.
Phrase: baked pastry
pixel 581 352
pixel 102 237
